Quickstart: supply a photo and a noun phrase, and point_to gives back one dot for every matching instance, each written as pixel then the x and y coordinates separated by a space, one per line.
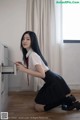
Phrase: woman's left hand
pixel 20 67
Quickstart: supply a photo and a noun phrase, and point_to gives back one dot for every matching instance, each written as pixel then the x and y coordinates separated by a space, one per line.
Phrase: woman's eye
pixel 25 39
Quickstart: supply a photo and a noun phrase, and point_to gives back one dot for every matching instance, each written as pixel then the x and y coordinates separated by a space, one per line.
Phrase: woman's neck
pixel 29 52
pixel 28 49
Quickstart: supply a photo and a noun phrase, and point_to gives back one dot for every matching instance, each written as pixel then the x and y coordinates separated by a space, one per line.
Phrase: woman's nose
pixel 24 40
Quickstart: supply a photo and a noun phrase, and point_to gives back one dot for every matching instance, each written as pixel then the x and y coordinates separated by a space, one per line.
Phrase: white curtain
pixel 44 18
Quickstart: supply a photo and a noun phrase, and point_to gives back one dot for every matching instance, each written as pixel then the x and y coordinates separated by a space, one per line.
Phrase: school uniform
pixel 55 88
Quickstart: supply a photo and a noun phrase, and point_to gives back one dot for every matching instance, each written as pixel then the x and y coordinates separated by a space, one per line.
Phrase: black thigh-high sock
pixel 66 101
pixel 50 106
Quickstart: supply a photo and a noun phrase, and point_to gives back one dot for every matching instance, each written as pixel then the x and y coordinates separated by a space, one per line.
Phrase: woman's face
pixel 26 42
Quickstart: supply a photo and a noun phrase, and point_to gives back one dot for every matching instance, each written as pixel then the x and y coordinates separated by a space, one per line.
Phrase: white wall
pixel 71 64
pixel 12 26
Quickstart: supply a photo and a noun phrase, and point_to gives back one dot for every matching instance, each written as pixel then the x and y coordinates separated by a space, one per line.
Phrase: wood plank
pixel 21 107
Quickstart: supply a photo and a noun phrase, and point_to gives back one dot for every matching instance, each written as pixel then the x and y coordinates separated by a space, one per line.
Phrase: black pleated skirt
pixel 54 89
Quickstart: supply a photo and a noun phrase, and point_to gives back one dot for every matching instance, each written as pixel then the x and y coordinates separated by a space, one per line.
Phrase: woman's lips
pixel 25 44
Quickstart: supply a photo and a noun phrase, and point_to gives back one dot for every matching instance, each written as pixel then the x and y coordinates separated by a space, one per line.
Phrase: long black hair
pixel 34 46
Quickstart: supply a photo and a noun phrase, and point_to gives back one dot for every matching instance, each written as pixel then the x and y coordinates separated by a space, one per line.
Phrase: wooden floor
pixel 20 107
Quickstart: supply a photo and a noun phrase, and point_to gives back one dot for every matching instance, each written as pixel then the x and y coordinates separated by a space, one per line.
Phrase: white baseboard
pixel 74 86
pixel 19 89
pixel 14 89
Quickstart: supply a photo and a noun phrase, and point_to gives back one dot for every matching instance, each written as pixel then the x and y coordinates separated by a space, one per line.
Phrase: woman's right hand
pixel 20 66
pixel 18 62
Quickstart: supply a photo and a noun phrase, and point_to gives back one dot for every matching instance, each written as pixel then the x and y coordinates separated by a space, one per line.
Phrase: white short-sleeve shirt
pixel 35 59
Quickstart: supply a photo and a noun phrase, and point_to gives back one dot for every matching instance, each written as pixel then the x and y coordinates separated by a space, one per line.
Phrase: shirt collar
pixel 29 52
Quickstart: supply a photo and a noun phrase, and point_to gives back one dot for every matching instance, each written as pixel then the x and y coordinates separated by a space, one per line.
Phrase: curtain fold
pixel 43 17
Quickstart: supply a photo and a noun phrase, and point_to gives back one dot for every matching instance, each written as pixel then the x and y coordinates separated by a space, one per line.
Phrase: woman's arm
pixel 38 73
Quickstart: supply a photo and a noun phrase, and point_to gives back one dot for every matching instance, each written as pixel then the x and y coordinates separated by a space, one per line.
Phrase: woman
pixel 55 91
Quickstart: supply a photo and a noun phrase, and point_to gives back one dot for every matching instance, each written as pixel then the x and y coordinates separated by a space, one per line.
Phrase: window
pixel 71 21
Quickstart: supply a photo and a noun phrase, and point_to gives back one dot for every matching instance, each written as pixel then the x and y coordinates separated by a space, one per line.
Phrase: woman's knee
pixel 39 107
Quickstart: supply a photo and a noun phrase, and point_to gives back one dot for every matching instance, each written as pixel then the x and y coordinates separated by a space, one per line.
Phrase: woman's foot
pixel 70 103
pixel 75 105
